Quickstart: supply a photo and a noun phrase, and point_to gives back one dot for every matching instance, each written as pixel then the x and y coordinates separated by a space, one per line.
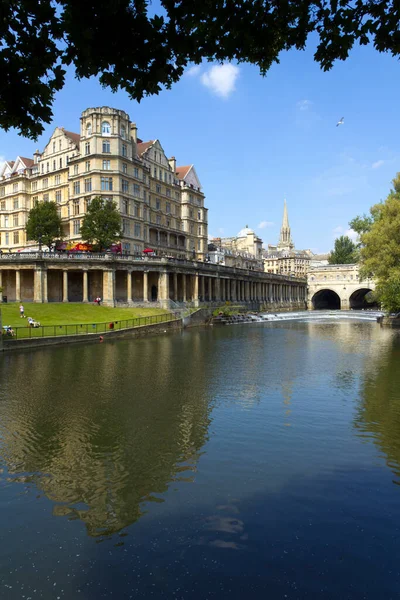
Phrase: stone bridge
pixel 338 287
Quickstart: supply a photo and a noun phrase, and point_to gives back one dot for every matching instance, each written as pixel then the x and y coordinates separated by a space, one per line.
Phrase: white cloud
pixel 378 164
pixel 353 235
pixel 193 71
pixel 304 104
pixel 338 231
pixel 221 79
pixel 265 224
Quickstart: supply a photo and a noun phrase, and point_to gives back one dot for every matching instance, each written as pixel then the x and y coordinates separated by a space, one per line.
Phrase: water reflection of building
pixel 113 435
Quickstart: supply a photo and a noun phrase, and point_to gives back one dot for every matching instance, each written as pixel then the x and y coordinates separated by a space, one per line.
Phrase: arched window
pixel 89 129
pixel 105 128
pixel 123 132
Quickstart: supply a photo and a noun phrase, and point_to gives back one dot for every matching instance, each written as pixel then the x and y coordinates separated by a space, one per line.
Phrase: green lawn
pixel 61 319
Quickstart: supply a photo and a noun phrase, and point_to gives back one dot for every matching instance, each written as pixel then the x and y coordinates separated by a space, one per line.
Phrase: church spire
pixel 285 239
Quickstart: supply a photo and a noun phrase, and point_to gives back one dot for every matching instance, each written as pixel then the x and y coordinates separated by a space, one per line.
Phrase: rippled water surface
pixel 254 461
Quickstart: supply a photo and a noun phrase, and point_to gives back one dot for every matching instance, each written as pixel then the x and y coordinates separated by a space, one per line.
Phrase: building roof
pixel 181 172
pixel 29 162
pixel 74 137
pixel 243 232
pixel 142 147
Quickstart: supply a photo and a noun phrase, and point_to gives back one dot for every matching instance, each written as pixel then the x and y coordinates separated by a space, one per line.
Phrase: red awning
pixel 147 250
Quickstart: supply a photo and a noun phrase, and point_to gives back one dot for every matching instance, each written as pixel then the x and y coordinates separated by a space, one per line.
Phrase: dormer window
pixel 105 128
pixel 89 129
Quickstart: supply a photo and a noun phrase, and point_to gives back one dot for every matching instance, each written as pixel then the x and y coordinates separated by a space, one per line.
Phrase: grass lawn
pixel 61 319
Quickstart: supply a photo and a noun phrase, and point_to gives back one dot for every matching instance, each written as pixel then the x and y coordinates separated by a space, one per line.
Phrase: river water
pixel 254 461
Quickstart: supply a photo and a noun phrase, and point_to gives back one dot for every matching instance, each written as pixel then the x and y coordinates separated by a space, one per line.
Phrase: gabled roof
pixel 28 162
pixel 142 147
pixel 181 172
pixel 74 137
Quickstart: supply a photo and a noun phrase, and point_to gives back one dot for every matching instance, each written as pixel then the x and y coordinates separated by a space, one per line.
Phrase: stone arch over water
pixel 359 299
pixel 326 299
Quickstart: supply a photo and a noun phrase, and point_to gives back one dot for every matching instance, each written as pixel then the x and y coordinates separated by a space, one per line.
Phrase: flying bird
pixel 341 122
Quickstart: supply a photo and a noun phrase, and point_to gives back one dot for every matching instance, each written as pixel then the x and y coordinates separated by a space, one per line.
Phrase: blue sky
pixel 255 141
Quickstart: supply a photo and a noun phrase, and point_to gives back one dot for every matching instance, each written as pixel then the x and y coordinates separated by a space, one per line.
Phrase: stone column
pixel 65 286
pixel 108 288
pixel 17 286
pixel 145 286
pixel 203 288
pixel 85 286
pixel 129 287
pixel 37 286
pixel 163 289
pixel 175 287
pixel 218 289
pixel 242 296
pixel 210 289
pixel 45 288
pixel 1 285
pixel 280 293
pixel 196 289
pixel 184 286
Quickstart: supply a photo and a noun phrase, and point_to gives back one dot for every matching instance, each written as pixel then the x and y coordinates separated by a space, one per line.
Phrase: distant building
pixel 242 251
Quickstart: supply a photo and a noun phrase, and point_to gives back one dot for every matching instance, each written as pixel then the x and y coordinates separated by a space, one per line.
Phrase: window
pixel 106 165
pixel 16 237
pixel 60 163
pixel 75 169
pixel 160 174
pixel 155 171
pixel 106 146
pixel 86 203
pixel 105 128
pixel 42 167
pixel 3 191
pixel 145 195
pixel 124 150
pixel 77 187
pixel 198 201
pixel 123 132
pixel 76 207
pixel 15 187
pixel 54 165
pixel 47 167
pixel 35 200
pixel 144 178
pixel 45 197
pixel 137 231
pixel 168 192
pixel 5 220
pixel 168 222
pixel 87 165
pixel 168 207
pixel 199 215
pixel 3 205
pixel 88 184
pixel 57 179
pixel 125 185
pixel 199 230
pixel 191 227
pixel 191 213
pixel 125 226
pixel 158 188
pixel 165 177
pixel 125 206
pixel 106 184
pixel 87 148
pixel 176 195
pixel 158 220
pixel 136 172
pixel 137 210
pixel 124 168
pixel 170 178
pixel 58 196
pixel 136 189
pixel 54 146
pixel 158 204
pixel 59 144
pixel 89 129
pixel 15 221
pixel 15 203
pixel 7 239
pixel 77 226
pixel 45 183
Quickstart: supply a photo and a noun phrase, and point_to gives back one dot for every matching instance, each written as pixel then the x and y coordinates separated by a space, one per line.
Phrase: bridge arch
pixel 359 299
pixel 326 299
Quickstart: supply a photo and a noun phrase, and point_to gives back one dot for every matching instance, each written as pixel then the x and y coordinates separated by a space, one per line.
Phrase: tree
pixel 38 40
pixel 344 252
pixel 101 225
pixel 44 224
pixel 380 249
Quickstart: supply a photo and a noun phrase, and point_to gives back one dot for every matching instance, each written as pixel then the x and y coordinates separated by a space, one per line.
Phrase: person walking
pixel 22 311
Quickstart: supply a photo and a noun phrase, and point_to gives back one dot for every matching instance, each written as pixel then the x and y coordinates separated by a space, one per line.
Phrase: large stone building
pixel 242 251
pixel 161 204
pixel 283 258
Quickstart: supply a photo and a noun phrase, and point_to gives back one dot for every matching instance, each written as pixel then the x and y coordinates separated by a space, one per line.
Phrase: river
pixel 253 461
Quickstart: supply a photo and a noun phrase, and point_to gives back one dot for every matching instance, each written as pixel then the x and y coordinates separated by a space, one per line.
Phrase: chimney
pixel 36 157
pixel 172 163
pixel 134 132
